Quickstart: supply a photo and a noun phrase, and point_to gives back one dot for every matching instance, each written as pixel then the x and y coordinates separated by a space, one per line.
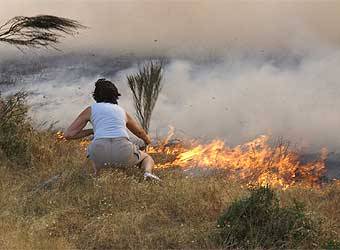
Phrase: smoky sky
pixel 191 28
pixel 236 69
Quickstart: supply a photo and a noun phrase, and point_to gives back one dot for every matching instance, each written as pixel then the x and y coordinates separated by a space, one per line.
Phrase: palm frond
pixel 37 31
pixel 145 87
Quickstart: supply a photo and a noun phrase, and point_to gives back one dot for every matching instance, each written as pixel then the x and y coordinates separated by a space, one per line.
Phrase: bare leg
pixel 147 162
pixel 86 163
pixel 95 169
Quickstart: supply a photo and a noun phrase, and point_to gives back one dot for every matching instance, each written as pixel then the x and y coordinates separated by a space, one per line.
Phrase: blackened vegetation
pixel 146 86
pixel 38 31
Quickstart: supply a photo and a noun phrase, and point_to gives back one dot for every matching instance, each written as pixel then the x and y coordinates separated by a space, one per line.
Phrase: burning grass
pixel 120 210
pixel 257 162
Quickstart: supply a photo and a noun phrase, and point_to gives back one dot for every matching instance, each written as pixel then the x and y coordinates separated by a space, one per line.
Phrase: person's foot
pixel 149 176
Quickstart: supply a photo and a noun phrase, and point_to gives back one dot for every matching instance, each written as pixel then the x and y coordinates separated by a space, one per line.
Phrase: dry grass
pixel 120 210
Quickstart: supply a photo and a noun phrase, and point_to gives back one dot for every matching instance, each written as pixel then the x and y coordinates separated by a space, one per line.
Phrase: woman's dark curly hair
pixel 105 91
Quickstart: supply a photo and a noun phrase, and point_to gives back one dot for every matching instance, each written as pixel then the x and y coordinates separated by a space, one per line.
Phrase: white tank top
pixel 108 121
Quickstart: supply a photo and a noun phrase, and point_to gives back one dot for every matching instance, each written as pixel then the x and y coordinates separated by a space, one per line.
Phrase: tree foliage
pixel 38 31
pixel 146 86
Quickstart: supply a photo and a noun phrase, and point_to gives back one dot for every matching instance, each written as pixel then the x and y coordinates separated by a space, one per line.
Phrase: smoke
pixel 240 100
pixel 235 99
pixel 237 69
pixel 190 28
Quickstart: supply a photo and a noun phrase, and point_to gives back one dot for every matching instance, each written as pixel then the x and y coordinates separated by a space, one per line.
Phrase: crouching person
pixel 111 146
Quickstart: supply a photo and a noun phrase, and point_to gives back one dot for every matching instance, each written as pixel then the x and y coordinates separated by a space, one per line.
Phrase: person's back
pixel 108 121
pixel 111 146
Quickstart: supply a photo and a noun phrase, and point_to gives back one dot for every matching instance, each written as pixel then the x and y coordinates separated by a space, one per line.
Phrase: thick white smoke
pixel 240 100
pixel 234 98
pixel 237 68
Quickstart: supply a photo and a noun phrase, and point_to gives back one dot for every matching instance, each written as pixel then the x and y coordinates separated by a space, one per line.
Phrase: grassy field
pixel 119 209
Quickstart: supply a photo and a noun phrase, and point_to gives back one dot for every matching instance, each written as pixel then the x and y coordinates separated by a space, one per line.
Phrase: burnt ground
pixel 332 163
pixel 333 166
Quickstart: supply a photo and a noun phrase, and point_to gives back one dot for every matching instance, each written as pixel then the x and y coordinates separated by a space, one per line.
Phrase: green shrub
pixel 15 129
pixel 332 244
pixel 258 221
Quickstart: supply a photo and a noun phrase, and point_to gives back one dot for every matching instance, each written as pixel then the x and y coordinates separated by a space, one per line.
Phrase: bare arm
pixel 76 130
pixel 136 129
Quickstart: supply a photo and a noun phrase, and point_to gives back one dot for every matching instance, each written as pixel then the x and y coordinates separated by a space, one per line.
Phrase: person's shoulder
pixel 122 110
pixel 93 105
pixel 88 109
pixel 120 107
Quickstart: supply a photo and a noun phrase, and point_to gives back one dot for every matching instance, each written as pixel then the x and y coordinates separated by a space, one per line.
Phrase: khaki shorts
pixel 114 152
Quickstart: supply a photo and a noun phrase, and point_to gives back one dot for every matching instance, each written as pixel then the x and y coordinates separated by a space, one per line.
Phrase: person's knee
pixel 147 159
pixel 151 160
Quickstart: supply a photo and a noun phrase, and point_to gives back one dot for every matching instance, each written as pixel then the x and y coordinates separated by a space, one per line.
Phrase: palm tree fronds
pixel 37 31
pixel 145 87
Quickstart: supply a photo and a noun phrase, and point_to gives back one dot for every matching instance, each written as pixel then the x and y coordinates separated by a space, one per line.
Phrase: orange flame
pixel 60 136
pixel 255 162
pixel 83 143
